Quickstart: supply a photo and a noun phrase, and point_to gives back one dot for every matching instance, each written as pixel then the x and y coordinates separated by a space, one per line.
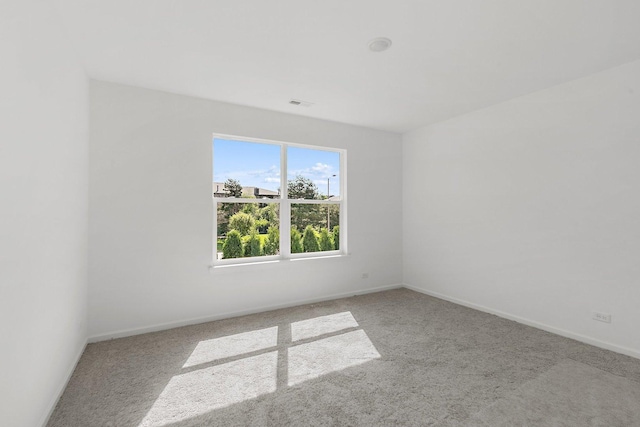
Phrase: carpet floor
pixel 390 358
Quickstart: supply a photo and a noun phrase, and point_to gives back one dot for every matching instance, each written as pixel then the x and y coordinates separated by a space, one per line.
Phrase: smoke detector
pixel 379 44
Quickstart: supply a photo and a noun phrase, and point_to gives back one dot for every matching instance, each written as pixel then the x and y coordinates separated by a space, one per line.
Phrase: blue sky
pixel 258 165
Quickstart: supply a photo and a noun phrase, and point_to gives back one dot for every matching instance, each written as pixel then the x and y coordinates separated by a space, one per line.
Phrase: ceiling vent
pixel 300 103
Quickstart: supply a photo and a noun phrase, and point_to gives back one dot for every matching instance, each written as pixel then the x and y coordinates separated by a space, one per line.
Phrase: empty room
pixel 319 213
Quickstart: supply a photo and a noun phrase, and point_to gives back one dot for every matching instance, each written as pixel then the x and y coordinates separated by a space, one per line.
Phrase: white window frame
pixel 285 206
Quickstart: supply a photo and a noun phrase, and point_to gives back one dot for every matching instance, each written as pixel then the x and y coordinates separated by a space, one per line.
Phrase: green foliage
pixel 269 213
pixel 272 244
pixel 334 216
pixel 232 247
pixel 254 245
pixel 325 240
pixel 296 241
pixel 310 240
pixel 252 229
pixel 243 223
pixel 233 188
pixel 249 208
pixel 262 225
pixel 303 215
pixel 223 227
pixel 302 188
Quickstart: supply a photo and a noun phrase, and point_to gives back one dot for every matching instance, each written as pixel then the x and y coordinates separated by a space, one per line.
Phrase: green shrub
pixel 250 208
pixel 272 244
pixel 296 241
pixel 246 248
pixel 336 237
pixel 325 240
pixel 270 214
pixel 254 245
pixel 310 240
pixel 262 225
pixel 223 227
pixel 242 222
pixel 232 247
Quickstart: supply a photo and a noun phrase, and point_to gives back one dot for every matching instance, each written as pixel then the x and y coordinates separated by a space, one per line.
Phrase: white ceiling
pixel 448 56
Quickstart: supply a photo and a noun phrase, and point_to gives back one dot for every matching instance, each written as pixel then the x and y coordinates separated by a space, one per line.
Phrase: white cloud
pixel 256 177
pixel 322 168
pixel 315 172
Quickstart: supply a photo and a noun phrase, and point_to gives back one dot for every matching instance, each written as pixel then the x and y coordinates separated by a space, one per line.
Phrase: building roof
pixel 218 189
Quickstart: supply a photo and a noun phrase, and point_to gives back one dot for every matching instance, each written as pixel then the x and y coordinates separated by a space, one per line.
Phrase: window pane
pixel 247 230
pixel 245 169
pixel 313 174
pixel 309 232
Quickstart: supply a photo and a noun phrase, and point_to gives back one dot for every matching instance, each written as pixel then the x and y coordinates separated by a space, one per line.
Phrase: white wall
pixel 151 212
pixel 43 211
pixel 532 208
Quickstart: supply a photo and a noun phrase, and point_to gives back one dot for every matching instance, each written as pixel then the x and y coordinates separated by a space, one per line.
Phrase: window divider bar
pixel 244 200
pixel 314 202
pixel 285 206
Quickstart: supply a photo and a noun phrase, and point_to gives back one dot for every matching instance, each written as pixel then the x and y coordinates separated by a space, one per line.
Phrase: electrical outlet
pixel 365 275
pixel 601 317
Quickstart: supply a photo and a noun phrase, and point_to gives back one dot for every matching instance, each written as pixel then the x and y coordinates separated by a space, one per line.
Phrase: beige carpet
pixel 390 358
pixel 570 393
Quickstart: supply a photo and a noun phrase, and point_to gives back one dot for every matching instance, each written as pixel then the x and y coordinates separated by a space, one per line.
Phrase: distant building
pixel 257 192
pixel 218 189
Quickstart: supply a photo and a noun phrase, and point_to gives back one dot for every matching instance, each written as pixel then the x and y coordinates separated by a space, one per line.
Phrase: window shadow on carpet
pixel 231 369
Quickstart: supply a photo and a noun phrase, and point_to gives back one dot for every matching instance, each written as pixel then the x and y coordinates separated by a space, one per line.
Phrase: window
pixel 276 200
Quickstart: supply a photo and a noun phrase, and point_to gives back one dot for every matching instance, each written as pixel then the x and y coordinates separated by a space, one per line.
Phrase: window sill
pixel 333 256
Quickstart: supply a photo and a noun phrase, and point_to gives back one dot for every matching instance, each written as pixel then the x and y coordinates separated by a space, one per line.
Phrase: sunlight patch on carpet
pixel 232 345
pixel 198 392
pixel 311 360
pixel 212 381
pixel 322 325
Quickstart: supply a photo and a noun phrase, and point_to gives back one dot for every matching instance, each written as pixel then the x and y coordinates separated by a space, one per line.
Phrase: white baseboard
pixel 562 332
pixel 196 320
pixel 54 401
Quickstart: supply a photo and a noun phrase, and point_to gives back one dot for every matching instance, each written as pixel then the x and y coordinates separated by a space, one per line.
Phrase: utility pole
pixel 328 206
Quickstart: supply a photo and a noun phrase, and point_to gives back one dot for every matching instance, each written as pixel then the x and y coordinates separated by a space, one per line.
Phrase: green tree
pixel 254 245
pixel 223 227
pixel 232 247
pixel 325 240
pixel 250 208
pixel 334 213
pixel 242 222
pixel 302 188
pixel 222 212
pixel 233 188
pixel 268 214
pixel 296 241
pixel 262 225
pixel 336 237
pixel 303 215
pixel 310 240
pixel 272 244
